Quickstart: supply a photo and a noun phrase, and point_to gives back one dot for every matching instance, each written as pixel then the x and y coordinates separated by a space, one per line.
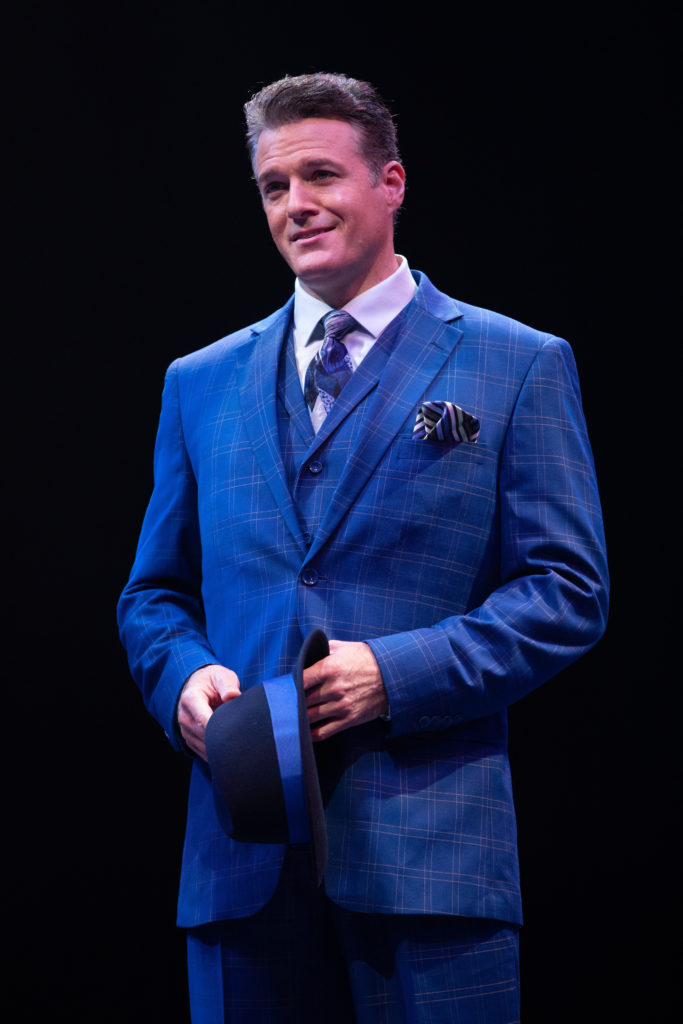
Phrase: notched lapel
pixel 419 350
pixel 363 381
pixel 257 371
pixel 291 395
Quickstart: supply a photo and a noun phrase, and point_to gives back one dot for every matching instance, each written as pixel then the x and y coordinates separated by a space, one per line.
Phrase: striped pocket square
pixel 445 421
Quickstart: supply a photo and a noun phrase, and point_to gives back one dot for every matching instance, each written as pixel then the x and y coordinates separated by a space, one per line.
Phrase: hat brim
pixel 314 648
pixel 248 749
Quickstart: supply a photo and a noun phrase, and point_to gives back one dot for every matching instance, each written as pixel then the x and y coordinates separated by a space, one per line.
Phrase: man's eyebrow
pixel 320 161
pixel 306 165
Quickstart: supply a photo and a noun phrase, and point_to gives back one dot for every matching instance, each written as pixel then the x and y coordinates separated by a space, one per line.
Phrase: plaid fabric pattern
pixel 301 960
pixel 474 571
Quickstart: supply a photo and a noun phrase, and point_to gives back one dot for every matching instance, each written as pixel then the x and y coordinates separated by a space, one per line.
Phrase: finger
pixel 313 675
pixel 198 747
pixel 194 738
pixel 323 731
pixel 194 709
pixel 320 712
pixel 227 684
pixel 315 697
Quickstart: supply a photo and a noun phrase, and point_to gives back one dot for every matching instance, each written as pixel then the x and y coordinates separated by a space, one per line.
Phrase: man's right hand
pixel 203 692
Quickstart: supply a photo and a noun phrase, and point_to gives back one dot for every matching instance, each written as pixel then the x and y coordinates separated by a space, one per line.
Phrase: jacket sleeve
pixel 551 603
pixel 160 612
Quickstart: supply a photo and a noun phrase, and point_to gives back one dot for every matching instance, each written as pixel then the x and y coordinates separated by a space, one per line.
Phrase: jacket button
pixel 310 577
pixel 315 467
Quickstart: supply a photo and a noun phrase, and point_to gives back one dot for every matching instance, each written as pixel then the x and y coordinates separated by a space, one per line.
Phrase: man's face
pixel 330 222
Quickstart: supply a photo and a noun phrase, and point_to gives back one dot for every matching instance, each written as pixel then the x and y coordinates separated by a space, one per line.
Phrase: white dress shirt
pixel 374 310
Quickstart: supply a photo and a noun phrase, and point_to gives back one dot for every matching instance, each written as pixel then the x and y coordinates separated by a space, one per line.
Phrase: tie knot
pixel 337 324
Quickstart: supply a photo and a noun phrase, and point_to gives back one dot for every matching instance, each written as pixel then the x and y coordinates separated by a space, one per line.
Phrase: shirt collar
pixel 374 309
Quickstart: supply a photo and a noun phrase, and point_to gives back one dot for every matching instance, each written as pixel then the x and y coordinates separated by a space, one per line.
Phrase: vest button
pixel 310 577
pixel 315 466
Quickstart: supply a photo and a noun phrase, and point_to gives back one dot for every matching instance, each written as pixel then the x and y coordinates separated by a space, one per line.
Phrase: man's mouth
pixel 309 235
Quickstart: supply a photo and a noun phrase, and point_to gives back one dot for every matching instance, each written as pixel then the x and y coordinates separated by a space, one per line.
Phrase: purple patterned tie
pixel 331 367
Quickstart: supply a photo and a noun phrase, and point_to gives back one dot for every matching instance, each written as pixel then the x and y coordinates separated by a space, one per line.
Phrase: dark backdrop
pixel 541 165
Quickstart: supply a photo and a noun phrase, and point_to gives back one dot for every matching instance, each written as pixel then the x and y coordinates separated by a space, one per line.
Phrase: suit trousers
pixel 302 959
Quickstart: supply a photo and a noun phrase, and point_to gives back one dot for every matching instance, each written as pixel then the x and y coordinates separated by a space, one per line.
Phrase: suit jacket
pixel 474 571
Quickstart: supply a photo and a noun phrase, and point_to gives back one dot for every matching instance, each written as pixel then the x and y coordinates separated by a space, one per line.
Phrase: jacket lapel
pixel 290 393
pixel 424 340
pixel 257 373
pixel 363 381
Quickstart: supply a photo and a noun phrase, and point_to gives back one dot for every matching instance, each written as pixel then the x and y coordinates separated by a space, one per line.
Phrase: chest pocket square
pixel 445 421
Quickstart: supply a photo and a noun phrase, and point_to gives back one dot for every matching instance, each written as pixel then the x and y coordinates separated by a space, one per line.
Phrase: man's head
pixel 333 97
pixel 330 187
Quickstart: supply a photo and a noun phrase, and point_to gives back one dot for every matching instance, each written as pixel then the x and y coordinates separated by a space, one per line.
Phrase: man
pixel 417 482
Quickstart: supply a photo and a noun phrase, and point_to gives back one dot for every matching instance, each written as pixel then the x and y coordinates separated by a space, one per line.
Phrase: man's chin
pixel 314 285
pixel 319 278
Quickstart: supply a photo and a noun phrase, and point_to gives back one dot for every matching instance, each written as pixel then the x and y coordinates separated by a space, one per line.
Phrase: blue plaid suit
pixel 475 572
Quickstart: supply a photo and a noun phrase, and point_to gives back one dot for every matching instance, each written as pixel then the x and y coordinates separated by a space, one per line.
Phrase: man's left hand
pixel 344 689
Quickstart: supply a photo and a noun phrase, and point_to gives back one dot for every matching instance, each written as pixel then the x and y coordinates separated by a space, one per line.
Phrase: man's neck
pixel 339 293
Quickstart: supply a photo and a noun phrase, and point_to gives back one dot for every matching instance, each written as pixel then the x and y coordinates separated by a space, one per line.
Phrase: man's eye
pixel 272 187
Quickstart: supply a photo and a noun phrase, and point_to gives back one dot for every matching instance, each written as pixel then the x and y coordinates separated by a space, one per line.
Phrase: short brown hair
pixel 336 97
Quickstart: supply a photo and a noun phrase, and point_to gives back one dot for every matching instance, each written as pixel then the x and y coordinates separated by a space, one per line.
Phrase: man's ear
pixel 393 181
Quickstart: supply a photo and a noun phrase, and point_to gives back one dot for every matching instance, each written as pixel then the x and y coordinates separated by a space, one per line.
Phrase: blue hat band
pixel 283 704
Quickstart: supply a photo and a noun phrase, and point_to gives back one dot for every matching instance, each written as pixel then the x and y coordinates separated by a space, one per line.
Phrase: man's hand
pixel 344 689
pixel 204 691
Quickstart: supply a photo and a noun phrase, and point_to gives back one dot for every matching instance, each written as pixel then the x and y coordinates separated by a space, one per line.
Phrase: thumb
pixel 226 683
pixel 337 645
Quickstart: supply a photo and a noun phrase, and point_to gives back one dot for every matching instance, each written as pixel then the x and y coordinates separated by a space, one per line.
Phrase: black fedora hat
pixel 263 768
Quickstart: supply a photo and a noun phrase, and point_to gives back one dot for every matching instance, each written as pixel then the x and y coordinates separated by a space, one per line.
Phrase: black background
pixel 541 158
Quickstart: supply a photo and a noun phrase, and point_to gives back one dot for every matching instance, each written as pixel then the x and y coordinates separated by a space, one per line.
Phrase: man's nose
pixel 300 200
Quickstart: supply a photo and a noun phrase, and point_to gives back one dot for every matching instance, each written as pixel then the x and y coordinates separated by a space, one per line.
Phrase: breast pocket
pixel 442 479
pixel 423 454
